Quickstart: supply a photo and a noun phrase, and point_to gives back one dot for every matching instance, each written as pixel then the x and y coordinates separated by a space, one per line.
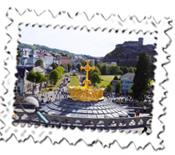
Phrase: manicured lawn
pixel 67 74
pixel 74 80
pixel 107 77
pixel 53 87
pixel 106 80
pixel 104 83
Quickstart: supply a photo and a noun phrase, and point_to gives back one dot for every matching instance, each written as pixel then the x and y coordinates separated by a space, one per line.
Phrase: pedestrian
pixel 144 109
pixel 138 112
pixel 144 129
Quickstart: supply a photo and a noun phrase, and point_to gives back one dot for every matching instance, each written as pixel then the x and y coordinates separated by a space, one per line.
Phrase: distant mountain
pixel 43 47
pixel 131 55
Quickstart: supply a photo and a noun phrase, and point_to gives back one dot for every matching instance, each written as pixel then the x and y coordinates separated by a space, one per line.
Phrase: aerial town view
pixel 61 88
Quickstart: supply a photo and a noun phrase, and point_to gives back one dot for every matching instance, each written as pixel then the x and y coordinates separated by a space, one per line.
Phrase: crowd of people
pixel 58 93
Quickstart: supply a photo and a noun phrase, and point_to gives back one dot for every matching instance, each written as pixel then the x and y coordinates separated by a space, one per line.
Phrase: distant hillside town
pixel 123 57
pixel 29 57
pixel 126 54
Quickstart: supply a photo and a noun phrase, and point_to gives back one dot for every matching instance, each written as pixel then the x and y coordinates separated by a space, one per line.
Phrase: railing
pixel 104 123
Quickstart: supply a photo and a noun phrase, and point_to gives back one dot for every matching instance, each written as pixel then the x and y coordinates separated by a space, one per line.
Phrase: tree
pixel 95 78
pixel 40 78
pixel 141 79
pixel 69 66
pixel 54 65
pixel 105 70
pixel 96 70
pixel 120 72
pixel 62 65
pixel 31 76
pixel 39 62
pixel 44 79
pixel 95 62
pixel 131 69
pixel 60 70
pixel 83 62
pixel 109 88
pixel 134 69
pixel 78 66
pixel 70 56
pixel 54 76
pixel 19 54
pixel 114 69
pixel 123 55
pixel 124 69
pixel 99 66
pixel 152 68
pixel 91 63
pixel 118 87
pixel 150 57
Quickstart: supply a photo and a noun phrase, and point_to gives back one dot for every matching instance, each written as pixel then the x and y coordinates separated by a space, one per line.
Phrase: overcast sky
pixel 79 42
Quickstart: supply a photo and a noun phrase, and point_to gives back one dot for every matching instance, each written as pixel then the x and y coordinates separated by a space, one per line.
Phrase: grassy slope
pixel 107 79
pixel 53 88
pixel 74 80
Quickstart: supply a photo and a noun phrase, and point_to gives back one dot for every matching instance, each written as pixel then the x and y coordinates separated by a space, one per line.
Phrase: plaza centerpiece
pixel 86 93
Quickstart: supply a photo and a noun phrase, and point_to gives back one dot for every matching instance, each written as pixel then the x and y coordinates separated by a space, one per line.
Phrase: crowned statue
pixel 86 93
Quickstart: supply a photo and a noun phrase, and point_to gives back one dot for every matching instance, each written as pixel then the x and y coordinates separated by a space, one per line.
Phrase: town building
pixel 127 81
pixel 92 59
pixel 31 59
pixel 109 62
pixel 75 60
pixel 138 43
pixel 22 84
pixel 65 61
pixel 25 51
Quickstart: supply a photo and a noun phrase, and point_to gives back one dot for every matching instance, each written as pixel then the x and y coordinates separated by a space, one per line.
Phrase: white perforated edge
pixel 56 135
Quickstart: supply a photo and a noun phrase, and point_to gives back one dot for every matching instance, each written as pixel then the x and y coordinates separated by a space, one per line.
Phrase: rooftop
pixel 21 70
pixel 39 69
pixel 128 76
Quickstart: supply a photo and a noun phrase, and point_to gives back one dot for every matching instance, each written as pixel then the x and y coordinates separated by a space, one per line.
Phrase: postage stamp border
pixel 96 22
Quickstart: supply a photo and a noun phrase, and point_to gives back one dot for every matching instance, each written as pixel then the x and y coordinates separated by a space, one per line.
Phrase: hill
pixel 130 58
pixel 43 47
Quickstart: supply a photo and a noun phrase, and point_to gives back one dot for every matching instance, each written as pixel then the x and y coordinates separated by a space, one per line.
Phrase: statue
pixel 86 93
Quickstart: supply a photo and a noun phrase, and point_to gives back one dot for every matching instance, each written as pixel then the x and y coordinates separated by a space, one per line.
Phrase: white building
pixel 32 59
pixel 25 51
pixel 47 58
pixel 75 60
pixel 109 63
pixel 127 81
pixel 22 84
pixel 92 59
